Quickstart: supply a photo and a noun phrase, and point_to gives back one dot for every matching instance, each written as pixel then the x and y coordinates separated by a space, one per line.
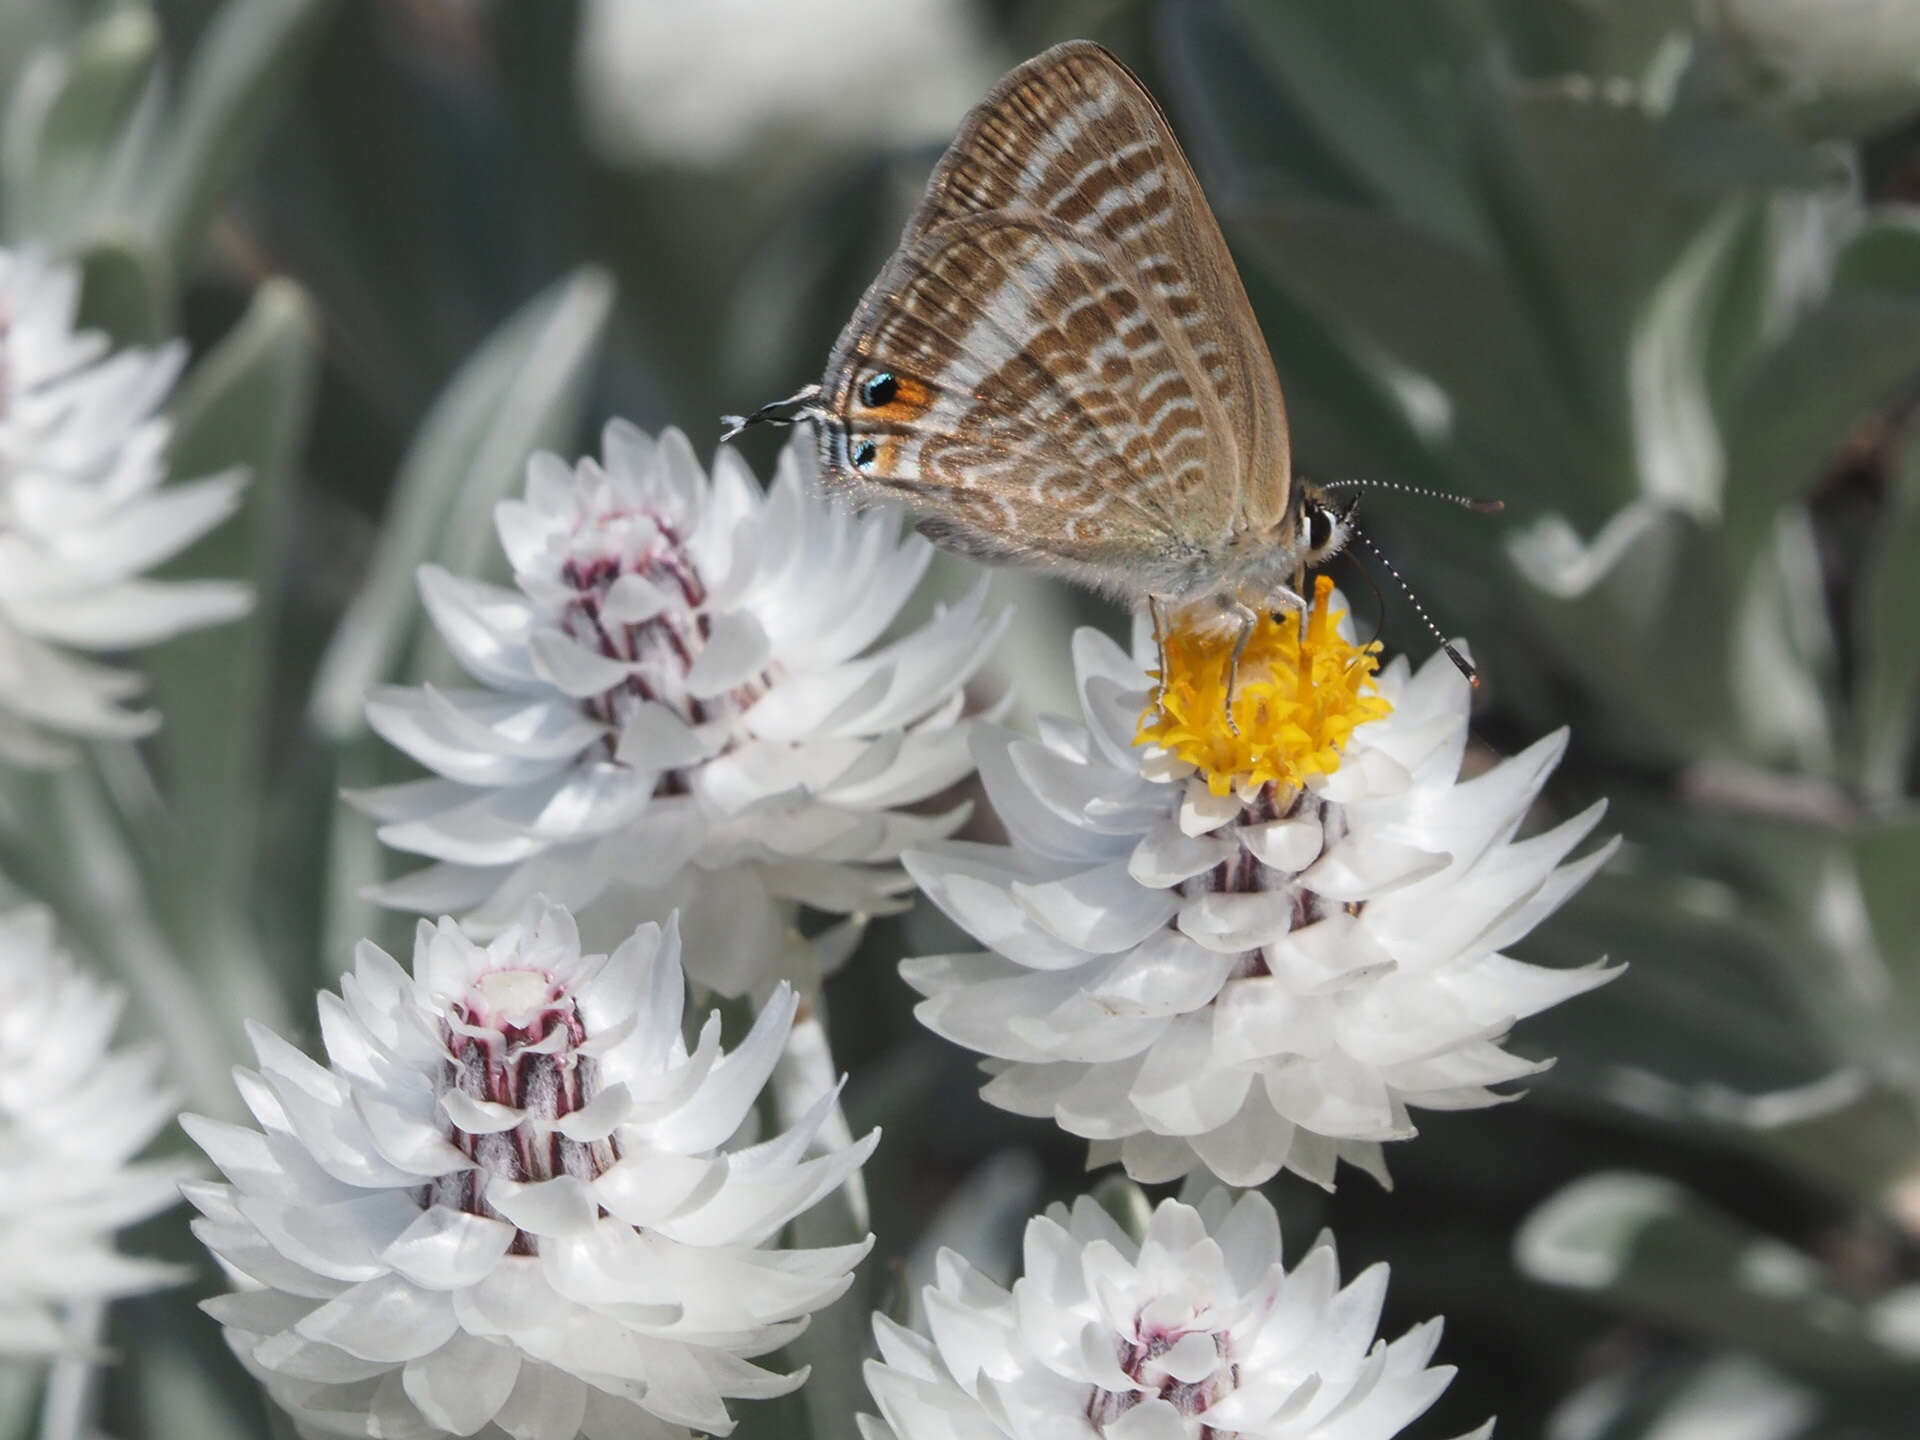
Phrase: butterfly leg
pixel 1159 638
pixel 1285 597
pixel 1248 618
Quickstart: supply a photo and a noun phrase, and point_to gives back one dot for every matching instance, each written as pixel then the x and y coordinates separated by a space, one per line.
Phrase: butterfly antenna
pixel 1379 600
pixel 795 408
pixel 1465 502
pixel 1461 663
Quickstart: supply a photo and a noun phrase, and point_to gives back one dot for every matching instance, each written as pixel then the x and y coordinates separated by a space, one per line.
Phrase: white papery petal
pixel 737 649
pixel 387 1319
pixel 447 1249
pixel 463 1384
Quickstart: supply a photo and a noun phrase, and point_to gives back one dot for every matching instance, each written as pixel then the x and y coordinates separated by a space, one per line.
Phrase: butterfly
pixel 1059 365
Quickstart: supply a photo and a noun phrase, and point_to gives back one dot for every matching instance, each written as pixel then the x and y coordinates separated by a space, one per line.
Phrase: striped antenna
pixel 1461 663
pixel 1465 502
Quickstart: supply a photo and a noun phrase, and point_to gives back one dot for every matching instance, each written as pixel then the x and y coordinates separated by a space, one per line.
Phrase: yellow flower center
pixel 1295 701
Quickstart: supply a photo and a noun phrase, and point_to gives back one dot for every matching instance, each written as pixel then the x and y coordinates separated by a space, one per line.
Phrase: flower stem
pixel 66 1411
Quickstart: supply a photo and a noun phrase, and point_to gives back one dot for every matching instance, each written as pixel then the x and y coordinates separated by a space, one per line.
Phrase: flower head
pixel 508 1206
pixel 677 686
pixel 83 515
pixel 653 90
pixel 1268 974
pixel 1298 693
pixel 72 1117
pixel 1197 1330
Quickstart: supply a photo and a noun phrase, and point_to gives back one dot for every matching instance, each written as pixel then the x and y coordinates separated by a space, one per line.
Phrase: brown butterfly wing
pixel 1021 363
pixel 1077 369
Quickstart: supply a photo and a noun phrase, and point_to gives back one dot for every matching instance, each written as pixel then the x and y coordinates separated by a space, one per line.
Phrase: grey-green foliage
pixel 107 156
pixel 1587 259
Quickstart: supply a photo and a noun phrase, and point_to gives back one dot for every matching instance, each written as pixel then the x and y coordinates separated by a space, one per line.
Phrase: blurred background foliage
pixel 1647 270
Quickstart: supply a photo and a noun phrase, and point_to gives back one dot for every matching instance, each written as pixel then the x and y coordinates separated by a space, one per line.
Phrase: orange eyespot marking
pixel 890 396
pixel 871 454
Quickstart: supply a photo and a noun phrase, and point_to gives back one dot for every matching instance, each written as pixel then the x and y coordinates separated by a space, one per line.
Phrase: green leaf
pixel 19 1397
pixel 126 292
pixel 242 77
pixel 1761 286
pixel 98 888
pixel 1887 856
pixel 67 119
pixel 26 26
pixel 1703 1000
pixel 1590 218
pixel 1418 296
pixel 1656 1393
pixel 1782 665
pixel 1646 636
pixel 1363 75
pixel 1126 1202
pixel 353 861
pixel 246 405
pixel 1650 1249
pixel 1883 255
pixel 836 1341
pixel 1230 115
pixel 174 1373
pixel 1864 1149
pixel 1887 659
pixel 1617 41
pixel 1845 360
pixel 521 391
pixel 542 412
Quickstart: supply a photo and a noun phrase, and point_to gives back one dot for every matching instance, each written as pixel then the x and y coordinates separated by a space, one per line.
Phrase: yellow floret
pixel 1295 702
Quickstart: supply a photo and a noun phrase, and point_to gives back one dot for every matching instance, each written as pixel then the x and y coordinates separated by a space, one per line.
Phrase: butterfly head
pixel 1324 526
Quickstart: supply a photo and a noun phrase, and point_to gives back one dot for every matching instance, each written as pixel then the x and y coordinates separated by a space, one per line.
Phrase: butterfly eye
pixel 878 390
pixel 863 455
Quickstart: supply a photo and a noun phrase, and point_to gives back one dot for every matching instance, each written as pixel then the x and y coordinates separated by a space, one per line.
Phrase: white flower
pixel 72 1116
pixel 83 515
pixel 1196 1331
pixel 660 83
pixel 505 1207
pixel 1839 46
pixel 1262 978
pixel 677 686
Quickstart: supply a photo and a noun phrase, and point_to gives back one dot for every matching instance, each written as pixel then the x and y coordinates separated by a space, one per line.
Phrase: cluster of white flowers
pixel 1234 931
pixel 73 1114
pixel 83 515
pixel 682 684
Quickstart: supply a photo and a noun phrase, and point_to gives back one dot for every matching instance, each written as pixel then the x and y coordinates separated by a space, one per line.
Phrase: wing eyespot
pixel 863 454
pixel 878 390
